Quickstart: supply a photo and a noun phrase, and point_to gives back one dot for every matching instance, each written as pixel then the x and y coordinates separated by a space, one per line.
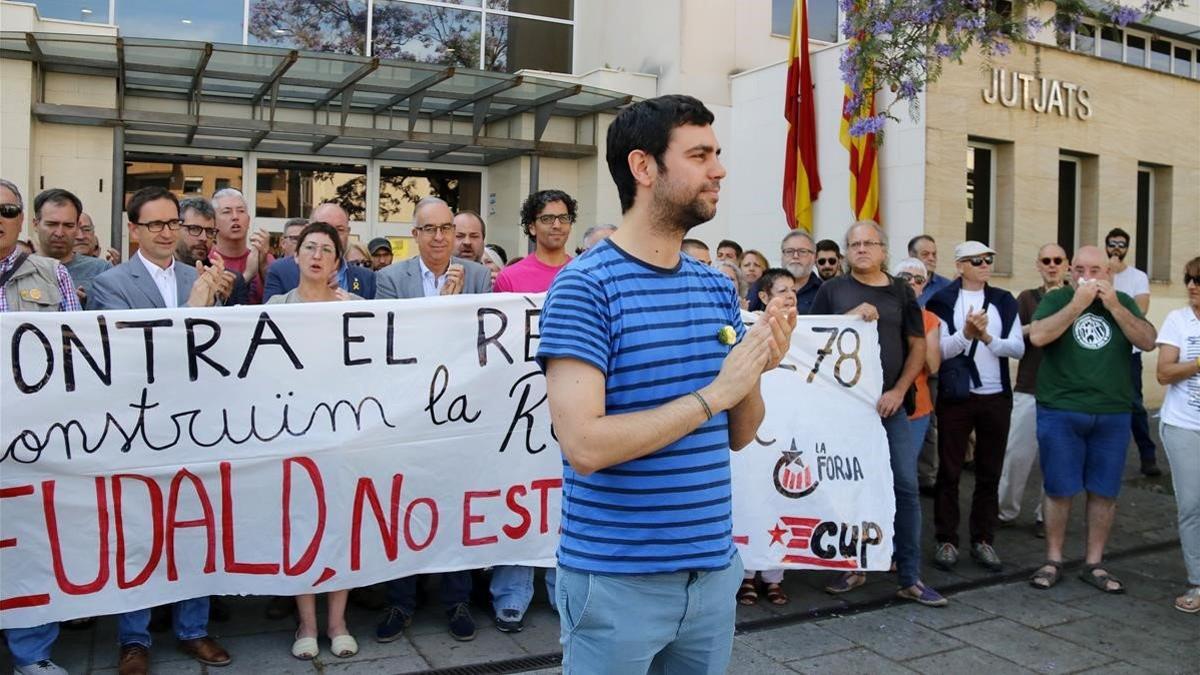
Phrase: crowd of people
pixel 652 393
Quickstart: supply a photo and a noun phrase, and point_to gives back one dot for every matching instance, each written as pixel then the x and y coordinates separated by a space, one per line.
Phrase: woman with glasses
pixel 1179 371
pixel 318 252
pixel 356 254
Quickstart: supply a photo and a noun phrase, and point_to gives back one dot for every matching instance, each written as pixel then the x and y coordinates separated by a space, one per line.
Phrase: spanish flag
pixel 801 183
pixel 864 164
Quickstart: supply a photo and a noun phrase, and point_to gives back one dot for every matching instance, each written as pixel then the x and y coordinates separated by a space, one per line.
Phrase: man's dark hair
pixel 321 227
pixel 57 196
pixel 295 222
pixel 1115 232
pixel 483 225
pixel 200 205
pixel 695 243
pixel 147 194
pixel 767 281
pixel 829 245
pixel 538 201
pixel 912 243
pixel 729 243
pixel 647 126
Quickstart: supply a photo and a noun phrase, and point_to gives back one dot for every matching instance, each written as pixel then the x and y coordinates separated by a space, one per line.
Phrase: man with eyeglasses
pixel 1133 282
pixel 56 219
pixel 196 240
pixel 87 243
pixel 1052 265
pixel 546 218
pixel 153 278
pixel 797 254
pixel 284 274
pixel 434 270
pixel 829 259
pixel 980 333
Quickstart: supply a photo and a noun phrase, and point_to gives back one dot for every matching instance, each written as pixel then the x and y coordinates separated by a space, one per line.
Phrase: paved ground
pixel 994 622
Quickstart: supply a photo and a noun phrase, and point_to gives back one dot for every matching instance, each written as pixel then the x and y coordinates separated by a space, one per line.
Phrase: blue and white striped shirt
pixel 653 333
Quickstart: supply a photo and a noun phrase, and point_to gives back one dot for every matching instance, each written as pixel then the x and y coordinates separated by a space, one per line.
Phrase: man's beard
pixel 1119 254
pixel 672 212
pixel 799 271
pixel 827 273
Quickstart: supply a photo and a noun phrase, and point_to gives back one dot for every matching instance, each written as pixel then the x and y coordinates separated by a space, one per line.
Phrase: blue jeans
pixel 679 622
pixel 456 589
pixel 190 619
pixel 512 588
pixel 33 644
pixel 904 447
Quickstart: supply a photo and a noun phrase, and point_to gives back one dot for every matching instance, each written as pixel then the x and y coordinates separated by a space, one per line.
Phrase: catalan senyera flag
pixel 801 182
pixel 864 162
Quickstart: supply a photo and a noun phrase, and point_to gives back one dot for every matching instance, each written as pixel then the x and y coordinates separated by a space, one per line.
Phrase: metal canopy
pixel 360 107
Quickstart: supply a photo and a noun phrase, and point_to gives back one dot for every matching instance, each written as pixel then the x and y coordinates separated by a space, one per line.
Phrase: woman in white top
pixel 1179 368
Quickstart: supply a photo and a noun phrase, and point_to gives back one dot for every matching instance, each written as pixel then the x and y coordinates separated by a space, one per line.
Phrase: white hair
pixel 912 266
pixel 12 187
pixel 227 192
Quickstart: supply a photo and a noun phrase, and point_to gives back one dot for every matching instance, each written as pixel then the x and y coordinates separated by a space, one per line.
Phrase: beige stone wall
pixel 1138 116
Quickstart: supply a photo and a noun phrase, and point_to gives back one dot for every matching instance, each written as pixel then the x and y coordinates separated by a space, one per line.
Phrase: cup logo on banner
pixel 149 456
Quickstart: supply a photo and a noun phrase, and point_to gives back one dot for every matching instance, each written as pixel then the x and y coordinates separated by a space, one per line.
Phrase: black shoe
pixel 462 626
pixel 510 621
pixel 1150 468
pixel 392 626
pixel 1039 529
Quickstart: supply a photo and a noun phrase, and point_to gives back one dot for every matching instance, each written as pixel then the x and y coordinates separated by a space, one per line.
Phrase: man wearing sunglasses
pixel 56 215
pixel 546 218
pixel 980 333
pixel 1022 451
pixel 829 259
pixel 1133 282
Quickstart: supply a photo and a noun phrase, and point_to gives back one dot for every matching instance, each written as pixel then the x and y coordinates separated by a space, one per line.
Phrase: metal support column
pixel 534 180
pixel 116 233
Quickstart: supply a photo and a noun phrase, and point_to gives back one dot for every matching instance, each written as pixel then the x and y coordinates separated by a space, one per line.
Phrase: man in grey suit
pixel 152 277
pixel 434 271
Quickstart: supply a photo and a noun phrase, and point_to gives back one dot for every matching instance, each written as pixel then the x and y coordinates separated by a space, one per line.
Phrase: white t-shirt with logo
pixel 1132 282
pixel 1181 405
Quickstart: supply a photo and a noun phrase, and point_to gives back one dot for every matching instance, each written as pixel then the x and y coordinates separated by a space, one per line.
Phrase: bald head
pixel 1091 263
pixel 336 216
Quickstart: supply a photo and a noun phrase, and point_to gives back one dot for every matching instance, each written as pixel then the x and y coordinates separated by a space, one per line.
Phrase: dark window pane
pixel 1183 61
pixel 781 17
pixel 1085 38
pixel 1067 213
pixel 822 20
pixel 558 9
pixel 513 44
pixel 209 21
pixel 288 189
pixel 1160 55
pixel 1144 199
pixel 313 25
pixel 92 11
pixel 411 32
pixel 401 188
pixel 979 194
pixel 1110 43
pixel 186 176
pixel 1135 50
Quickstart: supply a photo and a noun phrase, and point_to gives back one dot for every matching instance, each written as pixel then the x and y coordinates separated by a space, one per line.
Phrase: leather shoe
pixel 206 651
pixel 134 660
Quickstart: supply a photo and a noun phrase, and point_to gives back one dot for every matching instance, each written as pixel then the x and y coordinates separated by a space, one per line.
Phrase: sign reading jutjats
pixel 1013 89
pixel 149 456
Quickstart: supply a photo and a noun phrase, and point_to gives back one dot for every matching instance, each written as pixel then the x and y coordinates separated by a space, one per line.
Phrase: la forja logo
pixel 793 477
pixel 825 543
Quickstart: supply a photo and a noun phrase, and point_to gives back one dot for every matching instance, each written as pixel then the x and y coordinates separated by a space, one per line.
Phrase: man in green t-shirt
pixel 1084 400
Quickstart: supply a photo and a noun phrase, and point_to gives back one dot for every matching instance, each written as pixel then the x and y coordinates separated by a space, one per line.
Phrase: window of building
pixel 1145 218
pixel 327 26
pixel 1183 62
pixel 184 175
pixel 823 19
pixel 292 189
pixel 400 188
pixel 91 11
pixel 514 43
pixel 1160 55
pixel 208 21
pixel 1069 192
pixel 1135 50
pixel 430 34
pixel 981 191
pixel 1112 43
pixel 557 9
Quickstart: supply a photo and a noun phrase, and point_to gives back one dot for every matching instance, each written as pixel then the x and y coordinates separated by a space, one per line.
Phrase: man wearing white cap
pixel 980 332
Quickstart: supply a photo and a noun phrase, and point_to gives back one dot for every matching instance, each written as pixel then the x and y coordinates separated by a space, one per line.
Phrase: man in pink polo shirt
pixel 546 217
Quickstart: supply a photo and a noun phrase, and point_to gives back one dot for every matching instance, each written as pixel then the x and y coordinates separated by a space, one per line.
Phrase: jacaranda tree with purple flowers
pixel 902 45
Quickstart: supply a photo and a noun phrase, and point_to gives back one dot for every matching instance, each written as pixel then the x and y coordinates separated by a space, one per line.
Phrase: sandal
pixel 846 583
pixel 1044 579
pixel 748 593
pixel 1102 580
pixel 1190 601
pixel 344 646
pixel 305 648
pixel 775 595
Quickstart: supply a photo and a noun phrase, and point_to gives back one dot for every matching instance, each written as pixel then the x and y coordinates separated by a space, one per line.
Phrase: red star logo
pixel 776 534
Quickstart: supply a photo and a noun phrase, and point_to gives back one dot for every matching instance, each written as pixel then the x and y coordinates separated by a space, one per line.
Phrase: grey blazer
pixel 403 279
pixel 130 286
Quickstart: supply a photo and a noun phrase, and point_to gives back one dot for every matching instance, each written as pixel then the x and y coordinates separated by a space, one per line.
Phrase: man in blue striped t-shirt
pixel 652 379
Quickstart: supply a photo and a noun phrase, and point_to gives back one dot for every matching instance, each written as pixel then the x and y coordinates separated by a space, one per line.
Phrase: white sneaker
pixel 46 667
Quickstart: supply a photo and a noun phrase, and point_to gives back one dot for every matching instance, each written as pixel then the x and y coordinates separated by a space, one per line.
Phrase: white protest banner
pixel 154 455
